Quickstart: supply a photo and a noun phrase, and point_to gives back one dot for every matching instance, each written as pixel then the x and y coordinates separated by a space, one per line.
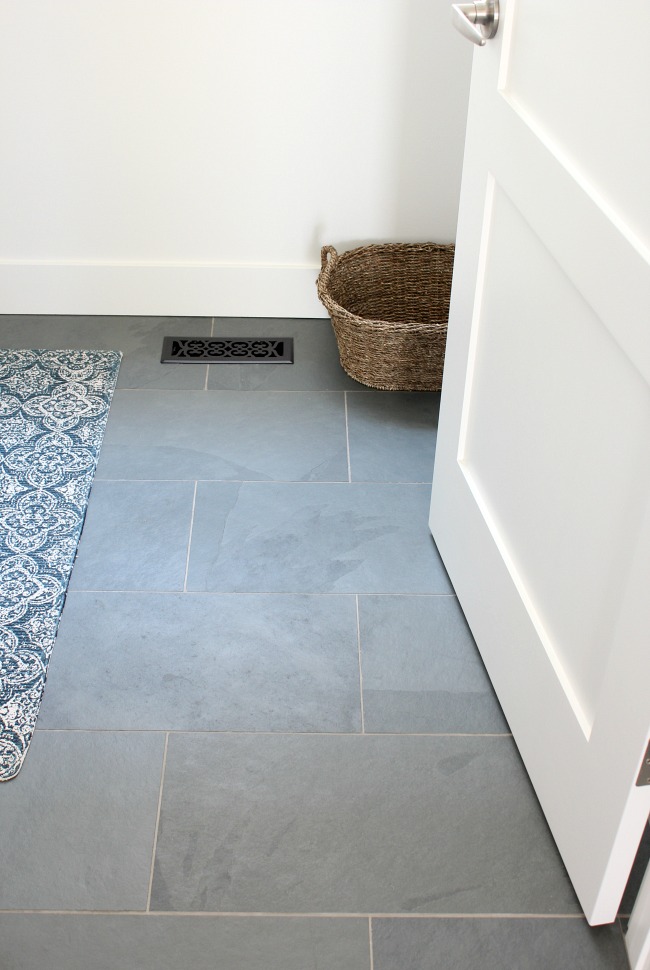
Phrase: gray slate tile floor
pixel 267 739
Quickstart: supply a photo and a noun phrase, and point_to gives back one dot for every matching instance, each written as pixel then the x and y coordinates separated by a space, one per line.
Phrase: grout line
pixel 347 435
pixel 155 834
pixel 170 914
pixel 259 481
pixel 264 734
pixel 249 592
pixel 152 388
pixel 363 717
pixel 189 541
pixel 370 947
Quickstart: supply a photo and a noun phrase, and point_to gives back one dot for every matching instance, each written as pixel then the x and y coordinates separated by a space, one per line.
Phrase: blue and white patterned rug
pixel 53 411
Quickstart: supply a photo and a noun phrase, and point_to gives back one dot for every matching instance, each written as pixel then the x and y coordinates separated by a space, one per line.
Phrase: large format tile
pixel 421 668
pixel 314 538
pixel 496 944
pixel 135 536
pixel 78 822
pixel 139 338
pixel 392 436
pixel 316 360
pixel 353 824
pixel 205 662
pixel 297 436
pixel 167 943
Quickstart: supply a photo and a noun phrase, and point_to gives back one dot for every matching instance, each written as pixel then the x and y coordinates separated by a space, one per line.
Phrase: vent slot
pixel 227 350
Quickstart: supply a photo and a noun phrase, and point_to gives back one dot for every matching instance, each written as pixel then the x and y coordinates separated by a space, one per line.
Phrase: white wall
pixel 191 156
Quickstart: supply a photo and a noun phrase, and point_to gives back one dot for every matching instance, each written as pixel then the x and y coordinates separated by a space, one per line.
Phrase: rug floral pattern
pixel 53 410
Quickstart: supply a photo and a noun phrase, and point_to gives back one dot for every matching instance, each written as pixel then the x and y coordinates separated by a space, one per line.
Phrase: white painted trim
pixel 637 938
pixel 159 289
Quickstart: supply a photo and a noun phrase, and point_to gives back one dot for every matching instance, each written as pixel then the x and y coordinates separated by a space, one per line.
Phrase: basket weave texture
pixel 389 305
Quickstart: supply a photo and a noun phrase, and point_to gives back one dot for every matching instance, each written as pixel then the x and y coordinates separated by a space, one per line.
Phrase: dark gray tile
pixel 266 436
pixel 139 338
pixel 496 944
pixel 353 824
pixel 421 669
pixel 168 942
pixel 392 436
pixel 316 365
pixel 135 536
pixel 314 538
pixel 641 863
pixel 205 662
pixel 78 822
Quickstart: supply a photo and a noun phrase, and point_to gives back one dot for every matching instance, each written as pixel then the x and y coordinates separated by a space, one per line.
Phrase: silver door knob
pixel 477 21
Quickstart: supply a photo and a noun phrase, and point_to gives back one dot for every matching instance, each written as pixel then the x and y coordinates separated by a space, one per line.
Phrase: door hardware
pixel 477 21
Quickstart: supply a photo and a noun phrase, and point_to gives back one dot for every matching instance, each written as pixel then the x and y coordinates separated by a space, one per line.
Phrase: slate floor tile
pixel 421 669
pixel 496 944
pixel 168 943
pixel 302 813
pixel 135 536
pixel 314 538
pixel 639 868
pixel 139 338
pixel 316 360
pixel 78 822
pixel 392 436
pixel 205 662
pixel 353 824
pixel 226 435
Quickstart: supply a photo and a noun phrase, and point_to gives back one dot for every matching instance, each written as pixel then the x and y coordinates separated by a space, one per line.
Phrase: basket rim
pixel 366 247
pixel 329 265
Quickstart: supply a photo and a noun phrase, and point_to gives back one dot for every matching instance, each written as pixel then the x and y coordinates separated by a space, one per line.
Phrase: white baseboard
pixel 157 289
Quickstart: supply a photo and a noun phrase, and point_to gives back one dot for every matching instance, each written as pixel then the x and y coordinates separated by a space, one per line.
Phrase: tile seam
pixel 231 390
pixel 189 540
pixel 258 481
pixel 184 914
pixel 363 716
pixel 244 481
pixel 157 825
pixel 263 734
pixel 347 434
pixel 254 592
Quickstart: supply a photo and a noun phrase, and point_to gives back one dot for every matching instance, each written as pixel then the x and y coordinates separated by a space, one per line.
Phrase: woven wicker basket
pixel 389 306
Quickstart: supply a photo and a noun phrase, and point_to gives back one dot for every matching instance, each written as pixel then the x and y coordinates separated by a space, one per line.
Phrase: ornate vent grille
pixel 227 350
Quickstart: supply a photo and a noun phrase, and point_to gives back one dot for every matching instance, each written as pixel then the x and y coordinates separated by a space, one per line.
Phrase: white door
pixel 541 490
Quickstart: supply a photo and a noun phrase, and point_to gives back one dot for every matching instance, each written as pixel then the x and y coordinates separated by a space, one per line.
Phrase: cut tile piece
pixel 421 669
pixel 205 662
pixel 226 435
pixel 641 863
pixel 314 538
pixel 168 942
pixel 135 536
pixel 353 824
pixel 316 359
pixel 139 338
pixel 392 436
pixel 496 944
pixel 78 822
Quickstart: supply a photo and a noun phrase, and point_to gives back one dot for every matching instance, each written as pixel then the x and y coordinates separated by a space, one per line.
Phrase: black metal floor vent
pixel 227 350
